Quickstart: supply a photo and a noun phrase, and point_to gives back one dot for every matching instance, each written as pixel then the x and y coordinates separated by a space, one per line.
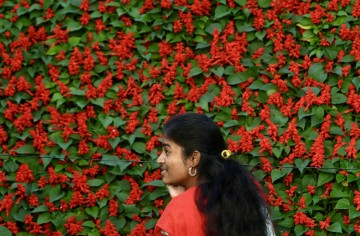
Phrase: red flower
pixel 12 227
pixel 325 224
pixel 7 203
pixel 165 4
pixel 302 203
pixel 132 123
pixel 72 226
pixel 356 9
pixel 351 149
pixel 267 168
pixel 135 192
pixel 302 219
pixel 3 135
pixel 311 189
pixel 113 207
pixel 156 94
pixel 61 36
pixel 85 5
pixel 99 25
pixel 103 192
pixel 109 229
pixel 76 200
pixel 55 178
pixel 201 7
pixel 226 96
pixel 139 230
pixel 177 26
pixel 33 200
pixel 90 199
pixel 80 183
pixel 24 174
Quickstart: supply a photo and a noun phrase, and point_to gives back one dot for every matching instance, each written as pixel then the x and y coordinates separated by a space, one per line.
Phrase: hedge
pixel 86 85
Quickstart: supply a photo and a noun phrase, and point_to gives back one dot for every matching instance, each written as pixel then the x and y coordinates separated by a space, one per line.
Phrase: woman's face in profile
pixel 174 169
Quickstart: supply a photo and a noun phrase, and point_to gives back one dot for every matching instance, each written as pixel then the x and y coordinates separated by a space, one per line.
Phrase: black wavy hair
pixel 227 194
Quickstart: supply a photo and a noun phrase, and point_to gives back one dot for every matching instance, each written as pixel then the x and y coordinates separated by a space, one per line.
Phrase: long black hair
pixel 227 194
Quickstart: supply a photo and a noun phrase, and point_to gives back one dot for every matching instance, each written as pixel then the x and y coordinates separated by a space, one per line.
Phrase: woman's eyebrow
pixel 165 145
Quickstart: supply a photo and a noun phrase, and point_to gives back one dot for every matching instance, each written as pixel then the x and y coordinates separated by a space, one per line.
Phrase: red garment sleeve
pixel 181 217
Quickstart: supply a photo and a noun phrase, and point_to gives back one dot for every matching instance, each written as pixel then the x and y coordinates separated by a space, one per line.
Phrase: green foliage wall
pixel 85 86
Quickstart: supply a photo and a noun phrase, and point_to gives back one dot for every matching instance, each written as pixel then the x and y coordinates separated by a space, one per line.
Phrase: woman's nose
pixel 160 159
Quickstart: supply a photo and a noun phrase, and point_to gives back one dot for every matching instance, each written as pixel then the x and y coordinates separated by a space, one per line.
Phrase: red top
pixel 181 216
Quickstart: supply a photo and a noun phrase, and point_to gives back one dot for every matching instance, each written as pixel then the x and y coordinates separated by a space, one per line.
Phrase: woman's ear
pixel 195 158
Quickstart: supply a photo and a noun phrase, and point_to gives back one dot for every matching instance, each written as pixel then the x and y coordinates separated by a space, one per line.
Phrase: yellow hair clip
pixel 226 154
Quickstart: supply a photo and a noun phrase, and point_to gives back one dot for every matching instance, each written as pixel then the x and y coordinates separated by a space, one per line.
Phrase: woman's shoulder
pixel 185 199
pixel 181 216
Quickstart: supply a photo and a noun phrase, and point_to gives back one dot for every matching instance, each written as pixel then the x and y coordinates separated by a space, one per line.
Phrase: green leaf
pixel 131 210
pixel 353 213
pixel 324 178
pixel 264 3
pixel 277 151
pixel 260 35
pixel 44 218
pixel 300 230
pixel 56 193
pixel 105 120
pixel 262 97
pixel 139 147
pixel 316 71
pixel 26 149
pixel 287 223
pixel 78 92
pixel 53 50
pixel 218 71
pixel 338 98
pixel 109 160
pixel 336 130
pixel 41 208
pixel 98 101
pixel 356 82
pixel 302 113
pixel 95 182
pixel 276 174
pixel 195 71
pixel 221 11
pixel 114 142
pixel 158 192
pixel 348 58
pixel 48 4
pixel 337 192
pixel 93 211
pixel 210 29
pixel 342 204
pixel 5 231
pixel 75 3
pixel 123 164
pixel 71 24
pixel 10 166
pixel 335 227
pixel 89 224
pixel 157 183
pixel 150 223
pixel 330 53
pixel 308 180
pixel 301 164
pixel 240 77
pixel 74 41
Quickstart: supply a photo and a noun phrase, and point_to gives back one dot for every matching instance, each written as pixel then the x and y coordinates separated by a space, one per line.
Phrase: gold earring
pixel 191 173
pixel 226 154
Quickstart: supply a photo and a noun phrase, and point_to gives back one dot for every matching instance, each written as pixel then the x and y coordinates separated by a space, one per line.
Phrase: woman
pixel 212 193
